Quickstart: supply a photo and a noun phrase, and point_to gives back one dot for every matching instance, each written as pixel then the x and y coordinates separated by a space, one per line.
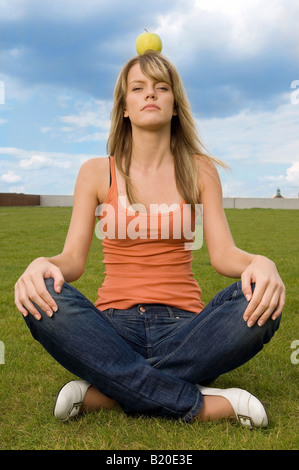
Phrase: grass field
pixel 30 378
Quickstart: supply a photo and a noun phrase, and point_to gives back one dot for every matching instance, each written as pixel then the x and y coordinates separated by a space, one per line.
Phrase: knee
pixel 69 301
pixel 258 336
pixel 45 320
pixel 270 327
pixel 63 295
pixel 49 283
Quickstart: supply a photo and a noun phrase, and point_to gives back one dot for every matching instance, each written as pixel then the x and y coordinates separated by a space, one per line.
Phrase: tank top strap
pixel 112 170
pixel 113 185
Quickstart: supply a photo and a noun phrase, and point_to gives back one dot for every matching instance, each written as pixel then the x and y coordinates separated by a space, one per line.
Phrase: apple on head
pixel 146 41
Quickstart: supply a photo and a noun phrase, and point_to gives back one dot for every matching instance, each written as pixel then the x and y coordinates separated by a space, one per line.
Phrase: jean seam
pixel 191 414
pixel 190 335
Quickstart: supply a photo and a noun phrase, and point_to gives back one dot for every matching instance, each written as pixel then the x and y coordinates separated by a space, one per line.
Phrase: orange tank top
pixel 147 255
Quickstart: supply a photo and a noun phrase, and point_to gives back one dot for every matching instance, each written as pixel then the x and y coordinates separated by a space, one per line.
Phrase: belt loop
pixel 170 311
pixel 111 310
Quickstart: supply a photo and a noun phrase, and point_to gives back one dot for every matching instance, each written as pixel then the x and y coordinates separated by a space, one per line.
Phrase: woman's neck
pixel 150 149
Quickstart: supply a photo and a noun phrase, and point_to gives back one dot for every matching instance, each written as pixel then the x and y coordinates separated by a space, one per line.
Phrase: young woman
pixel 149 344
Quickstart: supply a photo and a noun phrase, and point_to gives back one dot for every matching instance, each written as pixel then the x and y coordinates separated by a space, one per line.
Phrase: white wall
pixel 56 201
pixel 262 203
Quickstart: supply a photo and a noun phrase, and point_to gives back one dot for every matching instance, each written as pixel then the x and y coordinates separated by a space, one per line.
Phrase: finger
pixel 58 283
pixel 31 309
pixel 45 297
pixel 265 307
pixel 246 285
pixel 268 312
pixel 258 305
pixel 279 308
pixel 254 302
pixel 29 296
pixel 57 276
pixel 18 303
pixel 23 304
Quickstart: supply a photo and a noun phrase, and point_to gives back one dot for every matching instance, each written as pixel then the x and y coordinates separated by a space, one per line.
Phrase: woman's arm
pixel 91 188
pixel 229 260
pixel 72 260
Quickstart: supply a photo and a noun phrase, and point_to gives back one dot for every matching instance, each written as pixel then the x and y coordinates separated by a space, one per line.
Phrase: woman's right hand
pixel 31 287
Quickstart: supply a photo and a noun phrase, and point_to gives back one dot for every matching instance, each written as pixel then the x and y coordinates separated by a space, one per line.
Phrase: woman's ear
pixel 126 114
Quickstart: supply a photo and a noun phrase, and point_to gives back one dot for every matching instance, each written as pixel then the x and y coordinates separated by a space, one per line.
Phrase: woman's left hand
pixel 268 297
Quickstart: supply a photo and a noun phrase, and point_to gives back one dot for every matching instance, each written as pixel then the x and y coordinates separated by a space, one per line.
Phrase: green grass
pixel 30 378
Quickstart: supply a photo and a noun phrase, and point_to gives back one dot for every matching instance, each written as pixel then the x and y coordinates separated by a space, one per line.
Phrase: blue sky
pixel 59 60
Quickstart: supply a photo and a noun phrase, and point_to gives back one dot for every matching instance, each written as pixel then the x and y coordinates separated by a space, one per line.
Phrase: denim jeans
pixel 149 358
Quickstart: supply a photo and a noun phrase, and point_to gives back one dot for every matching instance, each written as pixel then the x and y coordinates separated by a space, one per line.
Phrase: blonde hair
pixel 185 143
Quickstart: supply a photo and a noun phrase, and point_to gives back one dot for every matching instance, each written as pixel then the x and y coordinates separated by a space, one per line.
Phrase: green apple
pixel 146 41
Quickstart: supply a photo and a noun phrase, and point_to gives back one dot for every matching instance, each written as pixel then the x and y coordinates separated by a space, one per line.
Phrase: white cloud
pixel 22 153
pixel 242 26
pixel 10 177
pixel 261 136
pixel 90 114
pixel 94 113
pixel 31 160
pixel 10 9
pixel 293 173
pixel 95 137
pixel 288 182
pixel 70 9
pixel 40 172
pixel 42 161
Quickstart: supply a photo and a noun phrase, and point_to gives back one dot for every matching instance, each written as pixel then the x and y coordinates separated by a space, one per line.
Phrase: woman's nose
pixel 150 94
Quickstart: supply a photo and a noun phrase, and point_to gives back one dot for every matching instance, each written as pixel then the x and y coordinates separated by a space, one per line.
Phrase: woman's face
pixel 149 104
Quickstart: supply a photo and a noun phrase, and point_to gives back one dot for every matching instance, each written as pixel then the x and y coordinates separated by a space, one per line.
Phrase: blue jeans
pixel 149 358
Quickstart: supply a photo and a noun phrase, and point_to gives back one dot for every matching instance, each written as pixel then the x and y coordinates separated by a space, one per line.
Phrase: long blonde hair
pixel 185 143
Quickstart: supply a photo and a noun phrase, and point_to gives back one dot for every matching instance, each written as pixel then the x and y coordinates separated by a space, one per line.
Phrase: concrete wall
pixel 262 203
pixel 56 201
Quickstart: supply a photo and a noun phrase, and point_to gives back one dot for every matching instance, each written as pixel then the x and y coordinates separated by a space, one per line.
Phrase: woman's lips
pixel 150 106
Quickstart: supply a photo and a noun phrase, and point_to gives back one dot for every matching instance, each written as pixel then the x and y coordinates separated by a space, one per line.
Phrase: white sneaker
pixel 70 399
pixel 248 409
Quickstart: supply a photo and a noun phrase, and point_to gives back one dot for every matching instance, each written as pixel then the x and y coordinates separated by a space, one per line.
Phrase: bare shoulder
pixel 97 165
pixel 94 174
pixel 208 175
